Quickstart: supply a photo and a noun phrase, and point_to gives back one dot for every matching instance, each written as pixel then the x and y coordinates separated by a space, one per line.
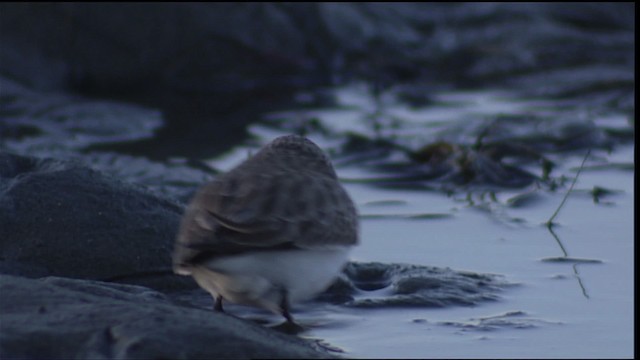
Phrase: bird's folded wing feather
pixel 276 211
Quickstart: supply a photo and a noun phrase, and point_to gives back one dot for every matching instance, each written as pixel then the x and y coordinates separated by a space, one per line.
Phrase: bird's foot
pixel 289 327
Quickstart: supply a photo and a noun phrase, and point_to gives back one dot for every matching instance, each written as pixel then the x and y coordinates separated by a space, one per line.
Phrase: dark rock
pixel 49 121
pixel 214 68
pixel 63 219
pixel 206 66
pixel 226 47
pixel 196 48
pixel 61 126
pixel 401 285
pixel 69 319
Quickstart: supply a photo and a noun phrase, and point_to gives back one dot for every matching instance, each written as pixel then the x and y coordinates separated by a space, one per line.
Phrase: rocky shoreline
pixel 85 259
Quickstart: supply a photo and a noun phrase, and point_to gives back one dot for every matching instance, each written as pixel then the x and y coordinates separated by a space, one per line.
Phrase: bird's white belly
pixel 259 278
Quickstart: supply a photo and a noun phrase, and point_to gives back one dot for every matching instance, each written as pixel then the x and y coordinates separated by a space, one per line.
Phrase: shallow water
pixel 574 293
pixel 568 309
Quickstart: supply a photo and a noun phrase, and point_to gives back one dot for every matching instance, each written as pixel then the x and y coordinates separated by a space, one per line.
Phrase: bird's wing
pixel 270 211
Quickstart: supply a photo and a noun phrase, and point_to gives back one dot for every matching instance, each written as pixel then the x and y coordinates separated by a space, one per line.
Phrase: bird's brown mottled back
pixel 287 194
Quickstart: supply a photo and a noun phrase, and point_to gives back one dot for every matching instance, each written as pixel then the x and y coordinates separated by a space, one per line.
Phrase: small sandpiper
pixel 275 230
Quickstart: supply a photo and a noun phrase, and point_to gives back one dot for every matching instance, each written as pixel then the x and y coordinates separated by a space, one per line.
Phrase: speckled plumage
pixel 286 197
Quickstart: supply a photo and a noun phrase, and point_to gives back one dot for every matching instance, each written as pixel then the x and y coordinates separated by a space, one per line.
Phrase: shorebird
pixel 274 230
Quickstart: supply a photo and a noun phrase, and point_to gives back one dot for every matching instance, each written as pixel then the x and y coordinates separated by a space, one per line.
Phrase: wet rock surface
pixel 63 126
pixel 65 318
pixel 405 285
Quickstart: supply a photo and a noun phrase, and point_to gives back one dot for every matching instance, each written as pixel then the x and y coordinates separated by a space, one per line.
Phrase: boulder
pixel 82 319
pixel 60 218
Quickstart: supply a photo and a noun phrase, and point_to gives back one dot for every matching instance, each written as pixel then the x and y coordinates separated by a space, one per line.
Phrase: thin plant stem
pixel 564 251
pixel 566 196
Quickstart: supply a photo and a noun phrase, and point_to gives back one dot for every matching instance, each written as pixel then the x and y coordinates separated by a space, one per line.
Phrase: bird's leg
pixel 218 305
pixel 284 307
pixel 289 326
